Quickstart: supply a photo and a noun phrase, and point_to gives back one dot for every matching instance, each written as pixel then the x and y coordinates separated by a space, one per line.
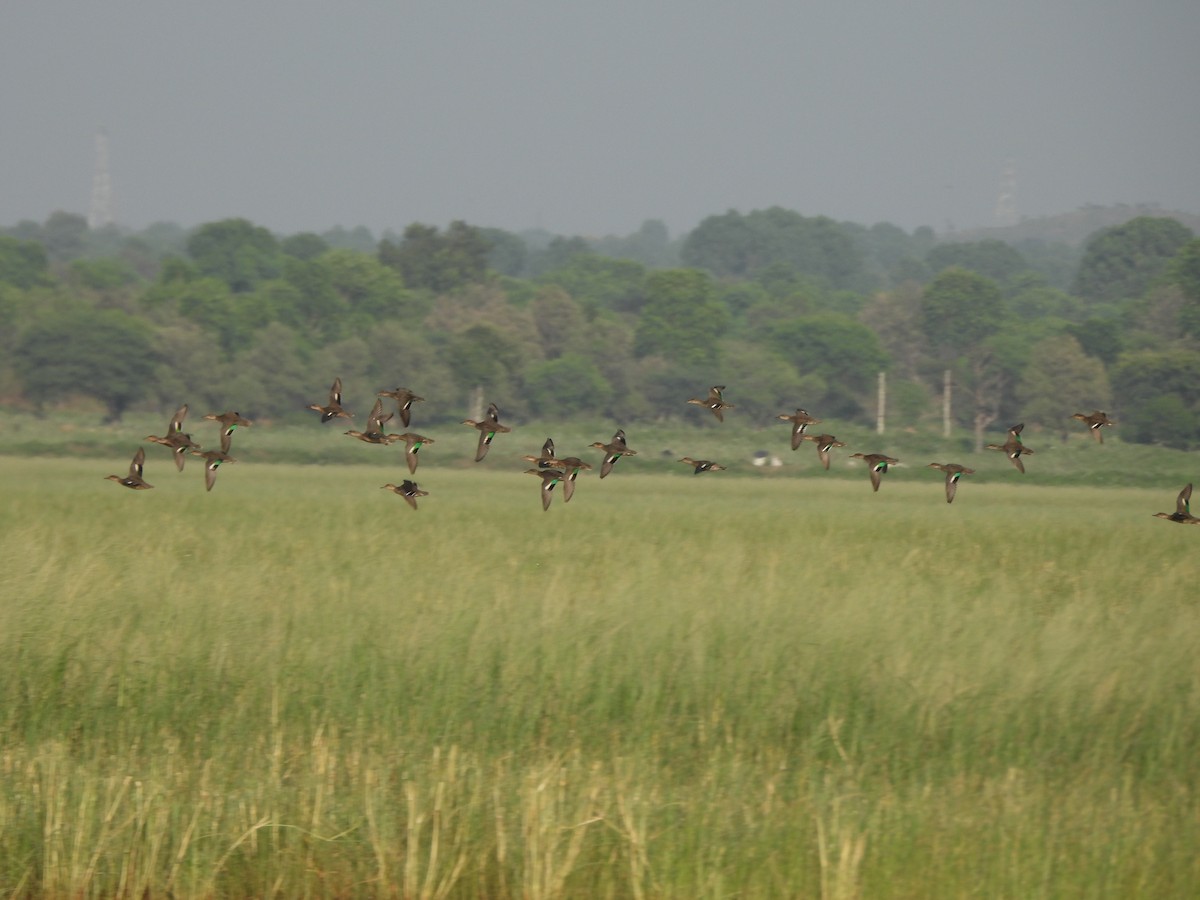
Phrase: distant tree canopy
pixel 435 261
pixel 739 246
pixel 682 320
pixel 960 308
pixel 106 354
pixel 786 309
pixel 23 264
pixel 237 252
pixel 991 258
pixel 1121 262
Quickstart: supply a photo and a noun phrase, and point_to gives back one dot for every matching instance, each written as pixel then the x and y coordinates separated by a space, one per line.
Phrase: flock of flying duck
pixel 554 470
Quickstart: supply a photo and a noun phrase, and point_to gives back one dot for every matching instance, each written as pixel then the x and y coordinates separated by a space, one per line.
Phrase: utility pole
pixel 946 387
pixel 101 211
pixel 881 404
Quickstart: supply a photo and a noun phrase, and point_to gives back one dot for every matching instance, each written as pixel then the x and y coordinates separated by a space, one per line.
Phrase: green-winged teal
pixel 408 490
pixel 334 409
pixel 212 462
pixel 713 402
pixel 1013 448
pixel 175 439
pixel 1183 511
pixel 613 451
pixel 571 466
pixel 800 421
pixel 550 477
pixel 412 444
pixel 228 421
pixel 1095 420
pixel 702 465
pixel 134 479
pixel 375 433
pixel 825 443
pixel 953 472
pixel 404 400
pixel 547 459
pixel 488 428
pixel 877 464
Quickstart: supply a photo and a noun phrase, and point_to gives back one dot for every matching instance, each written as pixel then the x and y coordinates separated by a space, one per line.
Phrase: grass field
pixel 732 685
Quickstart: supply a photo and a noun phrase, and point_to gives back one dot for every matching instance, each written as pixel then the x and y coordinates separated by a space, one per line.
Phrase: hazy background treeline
pixel 1099 308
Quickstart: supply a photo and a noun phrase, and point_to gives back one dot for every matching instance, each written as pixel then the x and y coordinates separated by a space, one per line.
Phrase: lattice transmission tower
pixel 101 210
pixel 1006 201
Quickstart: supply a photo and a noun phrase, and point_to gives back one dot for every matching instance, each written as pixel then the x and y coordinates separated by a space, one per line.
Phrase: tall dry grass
pixel 691 686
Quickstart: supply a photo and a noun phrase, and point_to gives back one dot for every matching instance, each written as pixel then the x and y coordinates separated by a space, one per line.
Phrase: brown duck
pixel 1095 420
pixel 953 472
pixel 408 490
pixel 134 479
pixel 404 400
pixel 1013 448
pixel 800 421
pixel 613 451
pixel 713 402
pixel 334 409
pixel 825 443
pixel 877 463
pixel 175 439
pixel 489 427
pixel 1182 515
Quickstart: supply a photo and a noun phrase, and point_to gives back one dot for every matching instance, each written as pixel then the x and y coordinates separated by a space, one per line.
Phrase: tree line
pixel 785 309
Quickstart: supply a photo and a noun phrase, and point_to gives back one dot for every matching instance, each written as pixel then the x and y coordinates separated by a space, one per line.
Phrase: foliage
pixel 1121 262
pixel 23 264
pixel 1184 272
pixel 1158 393
pixel 106 354
pixel 990 258
pixel 235 251
pixel 959 309
pixel 1060 380
pixel 733 245
pixel 682 320
pixel 436 261
pixel 559 388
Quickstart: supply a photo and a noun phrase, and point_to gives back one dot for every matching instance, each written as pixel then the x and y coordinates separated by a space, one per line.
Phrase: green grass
pixel 739 684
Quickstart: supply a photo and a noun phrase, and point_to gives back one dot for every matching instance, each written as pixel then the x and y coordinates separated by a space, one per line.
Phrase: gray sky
pixel 590 117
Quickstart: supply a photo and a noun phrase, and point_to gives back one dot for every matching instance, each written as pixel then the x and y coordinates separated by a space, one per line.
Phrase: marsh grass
pixel 673 686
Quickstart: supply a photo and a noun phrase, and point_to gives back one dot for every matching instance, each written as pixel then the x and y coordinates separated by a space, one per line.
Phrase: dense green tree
pixel 599 283
pixel 737 246
pixel 507 253
pixel 557 253
pixel 682 320
pixel 1037 302
pixel 558 318
pixel 1184 272
pixel 236 251
pixel 650 245
pixel 304 245
pixel 1060 380
pixel 482 356
pixel 64 235
pixel 844 352
pixel 436 261
pixel 1121 262
pixel 991 258
pixel 1158 394
pixel 567 386
pixel 366 286
pixel 23 264
pixel 958 310
pixel 105 354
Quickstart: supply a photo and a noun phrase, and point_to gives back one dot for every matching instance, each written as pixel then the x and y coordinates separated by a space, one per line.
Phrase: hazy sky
pixel 590 117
